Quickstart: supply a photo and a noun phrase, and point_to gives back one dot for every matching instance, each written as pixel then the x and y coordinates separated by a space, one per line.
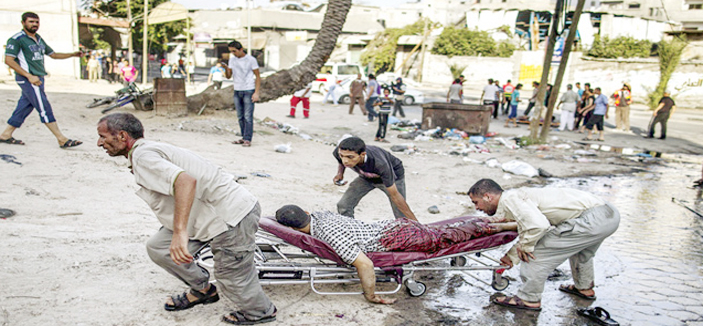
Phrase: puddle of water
pixel 647 273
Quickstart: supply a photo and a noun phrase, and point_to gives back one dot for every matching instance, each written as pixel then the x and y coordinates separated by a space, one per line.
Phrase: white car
pixel 412 96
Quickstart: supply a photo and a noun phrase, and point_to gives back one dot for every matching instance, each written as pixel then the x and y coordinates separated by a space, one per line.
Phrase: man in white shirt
pixel 197 203
pixel 244 71
pixel 302 95
pixel 554 224
pixel 490 97
pixel 568 106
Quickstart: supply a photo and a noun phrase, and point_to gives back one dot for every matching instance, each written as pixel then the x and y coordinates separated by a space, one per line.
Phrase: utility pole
pixel 546 65
pixel 145 45
pixel 568 44
pixel 425 31
pixel 130 50
pixel 248 28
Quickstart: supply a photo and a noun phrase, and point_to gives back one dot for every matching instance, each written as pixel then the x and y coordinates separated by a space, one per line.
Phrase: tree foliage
pixel 382 49
pixel 619 47
pixel 465 42
pixel 158 35
pixel 669 57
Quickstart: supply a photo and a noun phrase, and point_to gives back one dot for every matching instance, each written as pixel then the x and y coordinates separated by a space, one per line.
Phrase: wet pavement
pixel 650 272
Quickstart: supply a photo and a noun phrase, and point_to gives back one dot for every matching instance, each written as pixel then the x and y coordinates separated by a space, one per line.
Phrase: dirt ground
pixel 74 253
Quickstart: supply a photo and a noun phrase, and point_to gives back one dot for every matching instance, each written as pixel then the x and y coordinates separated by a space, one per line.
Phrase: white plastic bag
pixel 283 148
pixel 520 168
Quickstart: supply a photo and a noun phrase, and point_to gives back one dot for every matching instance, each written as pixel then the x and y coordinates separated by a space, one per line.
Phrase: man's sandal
pixel 71 143
pixel 571 289
pixel 238 318
pixel 519 304
pixel 598 315
pixel 239 142
pixel 12 141
pixel 181 302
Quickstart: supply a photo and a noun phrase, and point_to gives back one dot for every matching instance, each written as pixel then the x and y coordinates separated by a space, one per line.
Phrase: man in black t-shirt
pixel 377 168
pixel 661 115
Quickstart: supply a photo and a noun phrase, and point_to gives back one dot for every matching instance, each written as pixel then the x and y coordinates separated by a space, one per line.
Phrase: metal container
pixel 471 118
pixel 170 97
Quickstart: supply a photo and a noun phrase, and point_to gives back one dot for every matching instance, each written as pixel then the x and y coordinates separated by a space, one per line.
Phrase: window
pixel 695 6
pixel 504 1
pixel 633 5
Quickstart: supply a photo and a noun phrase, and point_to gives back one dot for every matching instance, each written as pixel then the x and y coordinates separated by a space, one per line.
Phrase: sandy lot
pixel 74 253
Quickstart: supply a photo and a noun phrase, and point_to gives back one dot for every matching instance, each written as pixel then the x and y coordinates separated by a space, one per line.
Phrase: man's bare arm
pixel 184 195
pixel 66 55
pixel 257 86
pixel 399 201
pixel 364 267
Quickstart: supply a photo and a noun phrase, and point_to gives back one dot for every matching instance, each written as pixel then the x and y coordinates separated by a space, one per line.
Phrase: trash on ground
pixel 9 159
pixel 584 152
pixel 433 209
pixel 563 146
pixel 505 143
pixel 492 163
pixel 407 148
pixel 282 148
pixel 543 173
pixel 477 139
pixel 261 174
pixel 520 168
pixel 305 136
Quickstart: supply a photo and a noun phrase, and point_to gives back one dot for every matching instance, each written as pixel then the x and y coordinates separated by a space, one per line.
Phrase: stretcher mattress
pixel 383 259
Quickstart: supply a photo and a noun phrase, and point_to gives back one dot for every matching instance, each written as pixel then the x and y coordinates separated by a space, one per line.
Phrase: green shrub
pixel 382 49
pixel 460 41
pixel 619 47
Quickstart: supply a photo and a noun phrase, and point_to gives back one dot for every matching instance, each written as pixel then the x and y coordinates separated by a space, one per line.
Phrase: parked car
pixel 331 72
pixel 412 96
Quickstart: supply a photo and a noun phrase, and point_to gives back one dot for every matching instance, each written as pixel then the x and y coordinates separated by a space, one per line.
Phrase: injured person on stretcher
pixel 351 239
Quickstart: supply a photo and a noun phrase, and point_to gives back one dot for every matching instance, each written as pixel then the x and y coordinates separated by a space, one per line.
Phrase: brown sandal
pixel 519 304
pixel 238 142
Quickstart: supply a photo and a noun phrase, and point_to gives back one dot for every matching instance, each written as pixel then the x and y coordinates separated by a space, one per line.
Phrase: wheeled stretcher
pixel 286 256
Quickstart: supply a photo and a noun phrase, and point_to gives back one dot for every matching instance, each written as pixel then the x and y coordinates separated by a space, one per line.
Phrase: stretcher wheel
pixel 415 289
pixel 458 261
pixel 500 283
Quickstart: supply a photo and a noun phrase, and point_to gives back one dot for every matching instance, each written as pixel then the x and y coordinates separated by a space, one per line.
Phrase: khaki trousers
pixel 235 271
pixel 622 118
pixel 577 240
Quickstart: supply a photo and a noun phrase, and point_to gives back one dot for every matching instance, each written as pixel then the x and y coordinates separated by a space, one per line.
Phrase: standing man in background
pixel 399 93
pixel 216 76
pixel 568 106
pixel 488 97
pixel 24 53
pixel 244 71
pixel 372 94
pixel 623 99
pixel 661 115
pixel 454 93
pixel 356 94
pixel 507 94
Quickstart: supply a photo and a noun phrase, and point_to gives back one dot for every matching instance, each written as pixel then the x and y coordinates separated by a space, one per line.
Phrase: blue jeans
pixel 245 112
pixel 369 107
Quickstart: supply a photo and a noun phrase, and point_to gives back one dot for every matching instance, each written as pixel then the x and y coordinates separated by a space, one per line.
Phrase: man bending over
pixel 351 239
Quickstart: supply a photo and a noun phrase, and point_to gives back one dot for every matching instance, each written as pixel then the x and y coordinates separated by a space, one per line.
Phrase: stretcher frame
pixel 281 263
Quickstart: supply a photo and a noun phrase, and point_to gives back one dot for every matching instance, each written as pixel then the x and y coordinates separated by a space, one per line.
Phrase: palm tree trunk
pixel 287 81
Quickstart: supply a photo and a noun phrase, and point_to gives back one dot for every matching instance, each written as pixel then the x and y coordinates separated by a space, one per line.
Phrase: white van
pixel 332 72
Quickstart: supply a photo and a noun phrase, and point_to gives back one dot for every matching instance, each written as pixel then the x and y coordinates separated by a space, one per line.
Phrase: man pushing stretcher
pixel 351 239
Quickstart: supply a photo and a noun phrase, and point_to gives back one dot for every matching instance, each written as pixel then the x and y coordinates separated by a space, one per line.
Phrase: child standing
pixel 514 100
pixel 302 95
pixel 384 103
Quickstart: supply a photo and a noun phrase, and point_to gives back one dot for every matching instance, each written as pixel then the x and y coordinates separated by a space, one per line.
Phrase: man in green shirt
pixel 24 53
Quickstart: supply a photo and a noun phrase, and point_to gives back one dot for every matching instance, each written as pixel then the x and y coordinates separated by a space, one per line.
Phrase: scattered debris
pixel 477 140
pixel 5 213
pixel 282 148
pixel 543 173
pixel 520 168
pixel 584 152
pixel 261 174
pixel 433 209
pixel 9 159
pixel 492 163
